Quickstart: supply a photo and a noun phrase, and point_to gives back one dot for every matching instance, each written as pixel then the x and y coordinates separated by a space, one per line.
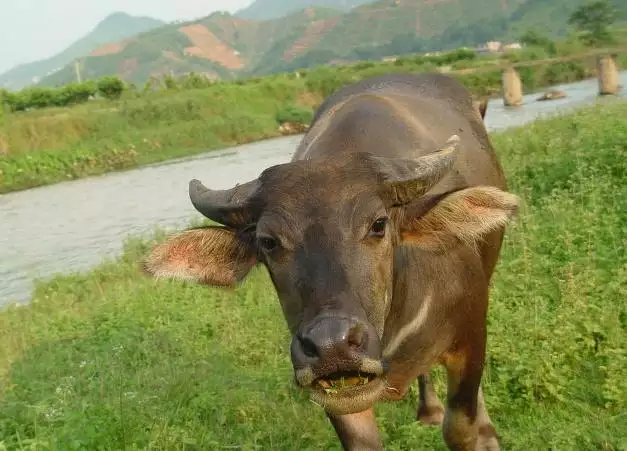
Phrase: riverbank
pixel 56 144
pixel 111 359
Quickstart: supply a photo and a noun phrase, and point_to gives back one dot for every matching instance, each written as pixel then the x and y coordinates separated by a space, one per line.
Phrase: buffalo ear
pixel 210 255
pixel 464 216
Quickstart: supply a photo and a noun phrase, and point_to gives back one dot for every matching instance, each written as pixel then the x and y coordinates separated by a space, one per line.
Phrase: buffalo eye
pixel 267 243
pixel 378 227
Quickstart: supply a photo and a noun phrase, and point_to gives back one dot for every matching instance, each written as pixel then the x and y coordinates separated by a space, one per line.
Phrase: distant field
pixel 110 359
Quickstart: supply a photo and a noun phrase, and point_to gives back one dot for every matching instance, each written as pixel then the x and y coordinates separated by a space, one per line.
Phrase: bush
pixel 76 93
pixel 42 97
pixel 295 114
pixel 111 88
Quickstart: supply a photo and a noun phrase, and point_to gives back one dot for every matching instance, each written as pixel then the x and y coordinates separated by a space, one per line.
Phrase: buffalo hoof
pixel 487 440
pixel 433 416
pixel 487 444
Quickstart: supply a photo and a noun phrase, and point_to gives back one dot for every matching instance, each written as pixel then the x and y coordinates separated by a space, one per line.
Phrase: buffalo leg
pixel 467 426
pixel 357 431
pixel 487 440
pixel 430 409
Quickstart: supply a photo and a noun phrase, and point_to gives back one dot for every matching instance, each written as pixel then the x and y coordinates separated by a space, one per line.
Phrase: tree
pixel 533 38
pixel 593 21
pixel 111 87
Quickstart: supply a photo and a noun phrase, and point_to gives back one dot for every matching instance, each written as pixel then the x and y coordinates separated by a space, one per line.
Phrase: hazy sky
pixel 37 29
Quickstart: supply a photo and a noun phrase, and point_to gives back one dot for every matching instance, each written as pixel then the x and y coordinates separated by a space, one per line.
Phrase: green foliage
pixel 570 315
pixel 534 38
pixel 180 115
pixel 195 81
pixel 53 145
pixel 111 88
pixel 538 46
pixel 526 54
pixel 295 114
pixel 593 21
pixel 381 29
pixel 275 9
pixel 37 97
pixel 180 83
pixel 75 93
pixel 176 116
pixel 453 56
pixel 327 80
pixel 169 82
pixel 110 359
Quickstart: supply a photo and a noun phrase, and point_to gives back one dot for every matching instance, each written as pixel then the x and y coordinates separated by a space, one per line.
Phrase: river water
pixel 74 225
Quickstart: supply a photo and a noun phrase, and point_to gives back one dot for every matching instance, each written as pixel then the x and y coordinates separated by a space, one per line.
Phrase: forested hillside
pixel 226 46
pixel 274 9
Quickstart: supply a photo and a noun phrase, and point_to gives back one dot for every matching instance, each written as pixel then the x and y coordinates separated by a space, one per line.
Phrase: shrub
pixel 111 88
pixel 295 114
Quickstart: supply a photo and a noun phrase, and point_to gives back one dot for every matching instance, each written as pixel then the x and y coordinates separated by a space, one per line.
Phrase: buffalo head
pixel 327 231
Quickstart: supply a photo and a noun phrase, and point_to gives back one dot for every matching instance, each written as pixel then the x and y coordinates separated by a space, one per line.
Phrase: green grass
pixel 110 359
pixel 53 145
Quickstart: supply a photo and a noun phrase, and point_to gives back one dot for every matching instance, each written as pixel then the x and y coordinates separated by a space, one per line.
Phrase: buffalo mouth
pixel 342 380
pixel 344 392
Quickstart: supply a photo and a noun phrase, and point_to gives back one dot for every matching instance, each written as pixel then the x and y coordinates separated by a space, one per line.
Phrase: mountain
pixel 545 15
pixel 400 26
pixel 112 29
pixel 218 46
pixel 274 9
pixel 228 46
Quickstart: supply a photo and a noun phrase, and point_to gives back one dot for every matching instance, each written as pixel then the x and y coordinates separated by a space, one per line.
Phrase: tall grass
pixel 110 359
pixel 58 144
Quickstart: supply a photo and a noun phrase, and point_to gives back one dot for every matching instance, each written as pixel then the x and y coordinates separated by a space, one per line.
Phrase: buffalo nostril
pixel 356 336
pixel 309 347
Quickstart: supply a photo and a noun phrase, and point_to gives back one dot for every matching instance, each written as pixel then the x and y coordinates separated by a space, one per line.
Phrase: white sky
pixel 36 29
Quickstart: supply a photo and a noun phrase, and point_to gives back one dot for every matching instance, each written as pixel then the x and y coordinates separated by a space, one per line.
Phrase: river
pixel 73 225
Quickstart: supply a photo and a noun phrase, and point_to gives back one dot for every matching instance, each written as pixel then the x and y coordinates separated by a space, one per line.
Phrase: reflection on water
pixel 73 225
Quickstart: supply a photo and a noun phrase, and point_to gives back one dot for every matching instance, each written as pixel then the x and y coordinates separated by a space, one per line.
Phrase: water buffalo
pixel 380 237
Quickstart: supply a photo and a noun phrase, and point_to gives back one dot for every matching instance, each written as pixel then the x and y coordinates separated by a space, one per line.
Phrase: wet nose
pixel 334 342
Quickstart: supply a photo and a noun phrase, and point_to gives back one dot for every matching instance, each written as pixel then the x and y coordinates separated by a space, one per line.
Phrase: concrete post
pixel 607 72
pixel 512 87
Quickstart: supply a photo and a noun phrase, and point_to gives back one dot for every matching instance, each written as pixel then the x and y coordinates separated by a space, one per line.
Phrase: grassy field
pixel 110 359
pixel 50 145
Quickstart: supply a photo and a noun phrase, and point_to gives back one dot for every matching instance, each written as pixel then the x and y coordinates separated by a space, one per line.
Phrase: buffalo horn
pixel 230 207
pixel 405 180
